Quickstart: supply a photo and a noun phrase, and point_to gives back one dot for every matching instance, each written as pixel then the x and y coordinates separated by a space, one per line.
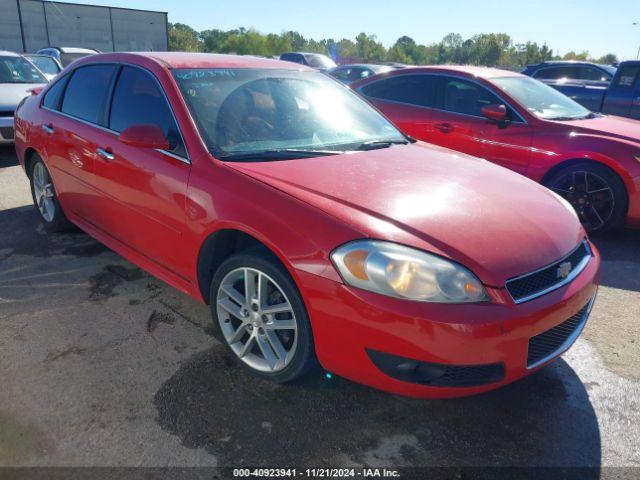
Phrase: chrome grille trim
pixel 564 346
pixel 577 270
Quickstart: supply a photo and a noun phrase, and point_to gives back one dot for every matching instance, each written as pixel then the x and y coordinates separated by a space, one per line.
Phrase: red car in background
pixel 313 228
pixel 592 160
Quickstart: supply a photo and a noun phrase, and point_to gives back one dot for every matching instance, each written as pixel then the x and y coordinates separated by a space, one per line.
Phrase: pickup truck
pixel 600 88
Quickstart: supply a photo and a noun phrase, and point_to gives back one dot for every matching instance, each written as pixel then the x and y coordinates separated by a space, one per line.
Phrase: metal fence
pixel 28 25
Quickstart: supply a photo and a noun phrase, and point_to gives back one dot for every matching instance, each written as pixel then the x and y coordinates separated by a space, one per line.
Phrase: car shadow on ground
pixel 211 403
pixel 620 250
pixel 544 420
pixel 8 156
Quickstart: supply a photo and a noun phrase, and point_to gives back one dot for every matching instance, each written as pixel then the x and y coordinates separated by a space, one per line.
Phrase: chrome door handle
pixel 444 127
pixel 48 129
pixel 105 154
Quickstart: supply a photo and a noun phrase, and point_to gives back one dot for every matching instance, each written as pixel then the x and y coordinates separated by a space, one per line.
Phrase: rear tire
pixel 45 199
pixel 260 317
pixel 596 193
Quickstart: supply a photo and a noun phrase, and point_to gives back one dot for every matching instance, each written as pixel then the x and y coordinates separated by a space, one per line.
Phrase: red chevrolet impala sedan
pixel 592 160
pixel 314 229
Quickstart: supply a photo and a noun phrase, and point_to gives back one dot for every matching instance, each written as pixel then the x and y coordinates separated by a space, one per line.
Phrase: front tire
pixel 597 194
pixel 45 199
pixel 260 317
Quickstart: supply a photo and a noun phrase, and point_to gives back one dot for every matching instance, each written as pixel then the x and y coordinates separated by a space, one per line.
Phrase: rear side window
pixel 53 97
pixel 138 100
pixel 462 96
pixel 592 73
pixel 420 90
pixel 87 91
pixel 555 73
pixel 293 57
pixel 627 76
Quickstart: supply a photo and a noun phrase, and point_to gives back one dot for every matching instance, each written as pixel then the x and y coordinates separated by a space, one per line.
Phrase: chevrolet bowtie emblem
pixel 564 269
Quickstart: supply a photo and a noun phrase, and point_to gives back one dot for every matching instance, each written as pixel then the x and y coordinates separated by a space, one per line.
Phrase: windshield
pixel 319 61
pixel 541 100
pixel 67 58
pixel 250 111
pixel 19 70
pixel 46 65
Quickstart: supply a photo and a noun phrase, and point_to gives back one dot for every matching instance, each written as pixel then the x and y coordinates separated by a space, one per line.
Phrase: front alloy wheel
pixel 596 193
pixel 256 319
pixel 260 317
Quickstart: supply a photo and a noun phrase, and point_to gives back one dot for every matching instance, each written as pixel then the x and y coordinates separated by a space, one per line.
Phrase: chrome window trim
pixel 114 133
pixel 359 90
pixel 549 67
pixel 186 159
pixel 568 342
pixel 574 273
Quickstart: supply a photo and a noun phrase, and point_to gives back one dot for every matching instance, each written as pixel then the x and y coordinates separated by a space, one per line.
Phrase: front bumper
pixel 6 130
pixel 349 324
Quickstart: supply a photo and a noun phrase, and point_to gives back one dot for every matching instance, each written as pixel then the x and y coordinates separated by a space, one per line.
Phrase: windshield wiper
pixel 276 154
pixel 375 144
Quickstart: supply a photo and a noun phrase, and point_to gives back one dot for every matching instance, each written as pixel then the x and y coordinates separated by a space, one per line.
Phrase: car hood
pixel 494 221
pixel 12 93
pixel 608 126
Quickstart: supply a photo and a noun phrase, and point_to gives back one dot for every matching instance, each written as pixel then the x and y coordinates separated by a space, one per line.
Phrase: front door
pixel 143 190
pixel 508 144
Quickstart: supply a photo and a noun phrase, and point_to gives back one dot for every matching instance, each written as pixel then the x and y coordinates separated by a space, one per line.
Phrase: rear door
pixel 406 99
pixel 72 110
pixel 143 190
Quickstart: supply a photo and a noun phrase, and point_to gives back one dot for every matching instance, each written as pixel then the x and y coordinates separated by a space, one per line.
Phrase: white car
pixel 17 77
pixel 49 66
pixel 66 55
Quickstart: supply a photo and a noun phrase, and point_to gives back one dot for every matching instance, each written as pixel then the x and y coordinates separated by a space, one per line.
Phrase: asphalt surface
pixel 103 365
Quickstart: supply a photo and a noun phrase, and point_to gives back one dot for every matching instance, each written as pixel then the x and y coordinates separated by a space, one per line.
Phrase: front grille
pixel 6 113
pixel 6 133
pixel 557 339
pixel 436 374
pixel 527 287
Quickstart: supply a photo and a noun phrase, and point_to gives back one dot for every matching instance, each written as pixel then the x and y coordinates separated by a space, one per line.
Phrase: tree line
pixel 490 49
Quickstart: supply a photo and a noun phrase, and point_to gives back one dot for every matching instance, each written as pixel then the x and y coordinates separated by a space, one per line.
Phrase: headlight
pixel 403 272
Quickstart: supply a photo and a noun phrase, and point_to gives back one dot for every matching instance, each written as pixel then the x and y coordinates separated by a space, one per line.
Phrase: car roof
pixel 198 60
pixel 363 65
pixel 303 53
pixel 7 53
pixel 75 50
pixel 568 62
pixel 471 71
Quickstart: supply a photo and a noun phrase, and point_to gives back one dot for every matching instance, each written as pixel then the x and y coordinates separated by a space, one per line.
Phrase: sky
pixel 595 25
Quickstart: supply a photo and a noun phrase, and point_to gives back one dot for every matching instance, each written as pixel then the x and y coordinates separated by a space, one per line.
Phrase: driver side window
pixel 468 98
pixel 138 100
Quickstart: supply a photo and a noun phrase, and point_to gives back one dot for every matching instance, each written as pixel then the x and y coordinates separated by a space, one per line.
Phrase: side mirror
pixel 144 136
pixel 495 113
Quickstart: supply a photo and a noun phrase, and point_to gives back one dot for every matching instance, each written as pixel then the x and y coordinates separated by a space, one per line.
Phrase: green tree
pixel 183 38
pixel 608 59
pixel 368 48
pixel 582 56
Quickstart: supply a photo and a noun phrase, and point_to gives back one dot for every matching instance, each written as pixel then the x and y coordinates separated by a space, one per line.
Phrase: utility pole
pixel 638 54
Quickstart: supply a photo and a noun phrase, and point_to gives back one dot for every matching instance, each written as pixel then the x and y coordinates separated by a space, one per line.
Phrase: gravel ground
pixel 103 365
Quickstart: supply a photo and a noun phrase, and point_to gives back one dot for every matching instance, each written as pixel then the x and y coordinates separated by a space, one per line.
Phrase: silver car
pixel 17 76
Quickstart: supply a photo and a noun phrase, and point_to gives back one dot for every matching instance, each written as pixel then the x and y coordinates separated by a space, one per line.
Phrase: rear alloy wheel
pixel 45 199
pixel 596 193
pixel 260 316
